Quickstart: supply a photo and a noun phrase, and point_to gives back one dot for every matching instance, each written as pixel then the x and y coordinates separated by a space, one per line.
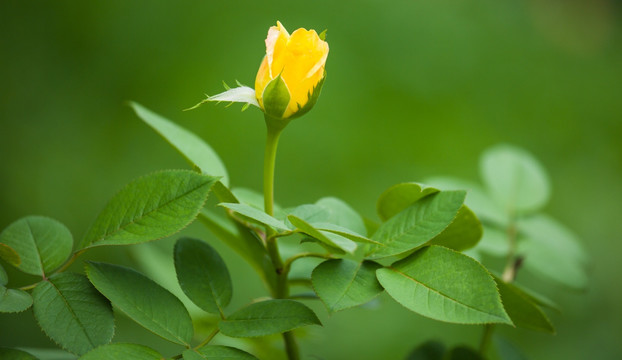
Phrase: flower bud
pixel 291 74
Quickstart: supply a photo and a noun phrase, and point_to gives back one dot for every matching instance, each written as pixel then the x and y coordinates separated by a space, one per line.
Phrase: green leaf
pixel 345 232
pixel 144 301
pixel 464 353
pixel 4 278
pixel 331 239
pixel 521 309
pixel 463 233
pixel 192 147
pixel 494 242
pixel 341 214
pixel 344 283
pixel 310 213
pixel 151 207
pixel 119 351
pixel 73 313
pixel 203 275
pixel 217 352
pixel 257 215
pixel 552 251
pixel 244 242
pixel 14 354
pixel 13 300
pixel 429 350
pixel 276 98
pixel 399 197
pixel 514 178
pixel 43 244
pixel 9 255
pixel 268 317
pixel 445 285
pixel 416 224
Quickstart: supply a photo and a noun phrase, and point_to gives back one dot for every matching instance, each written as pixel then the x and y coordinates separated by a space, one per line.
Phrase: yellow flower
pixel 291 74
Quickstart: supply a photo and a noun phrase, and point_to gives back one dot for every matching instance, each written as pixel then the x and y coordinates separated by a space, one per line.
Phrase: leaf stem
pixel 208 339
pixel 290 261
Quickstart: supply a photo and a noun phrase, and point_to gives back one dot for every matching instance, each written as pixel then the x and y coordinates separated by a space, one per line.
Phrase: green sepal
pixel 313 95
pixel 276 98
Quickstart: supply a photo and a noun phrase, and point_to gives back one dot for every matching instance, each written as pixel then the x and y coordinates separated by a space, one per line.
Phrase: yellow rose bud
pixel 291 74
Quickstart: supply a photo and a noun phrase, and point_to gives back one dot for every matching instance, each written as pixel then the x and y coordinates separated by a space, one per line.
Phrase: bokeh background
pixel 414 89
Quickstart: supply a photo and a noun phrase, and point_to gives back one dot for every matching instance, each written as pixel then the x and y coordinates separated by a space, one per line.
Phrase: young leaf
pixel 429 350
pixel 119 351
pixel 331 239
pixel 256 215
pixel 445 285
pixel 514 178
pixel 417 224
pixel 144 301
pixel 14 300
pixel 268 317
pixel 463 233
pixel 192 147
pixel 203 275
pixel 521 309
pixel 549 233
pixel 399 197
pixel 14 354
pixel 217 352
pixel 42 244
pixel 151 207
pixel 344 283
pixel 73 313
pixel 341 214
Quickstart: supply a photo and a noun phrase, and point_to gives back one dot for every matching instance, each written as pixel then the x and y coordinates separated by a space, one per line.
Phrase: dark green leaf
pixel 463 233
pixel 521 309
pixel 268 317
pixel 43 244
pixel 331 239
pixel 444 285
pixel 192 147
pixel 429 350
pixel 416 224
pixel 256 215
pixel 514 178
pixel 73 313
pixel 203 275
pixel 151 207
pixel 13 300
pixel 14 354
pixel 120 351
pixel 218 352
pixel 341 214
pixel 507 350
pixel 4 279
pixel 144 301
pixel 464 353
pixel 399 197
pixel 344 283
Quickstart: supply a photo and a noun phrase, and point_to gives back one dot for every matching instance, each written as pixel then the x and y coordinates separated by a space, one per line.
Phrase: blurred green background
pixel 414 89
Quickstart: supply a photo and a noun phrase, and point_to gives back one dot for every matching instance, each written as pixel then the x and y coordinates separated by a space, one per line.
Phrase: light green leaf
pixel 151 207
pixel 344 283
pixel 243 241
pixel 14 300
pixel 144 301
pixel 515 179
pixel 203 275
pixel 256 215
pixel 429 350
pixel 218 352
pixel 310 213
pixel 73 313
pixel 331 239
pixel 494 242
pixel 14 354
pixel 121 351
pixel 4 279
pixel 445 285
pixel 43 244
pixel 521 309
pixel 417 224
pixel 192 147
pixel 399 197
pixel 268 317
pixel 463 233
pixel 345 232
pixel 341 214
pixel 552 251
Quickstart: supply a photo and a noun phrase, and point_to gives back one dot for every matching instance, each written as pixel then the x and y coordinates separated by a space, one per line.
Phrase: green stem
pixel 281 290
pixel 486 337
pixel 208 339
